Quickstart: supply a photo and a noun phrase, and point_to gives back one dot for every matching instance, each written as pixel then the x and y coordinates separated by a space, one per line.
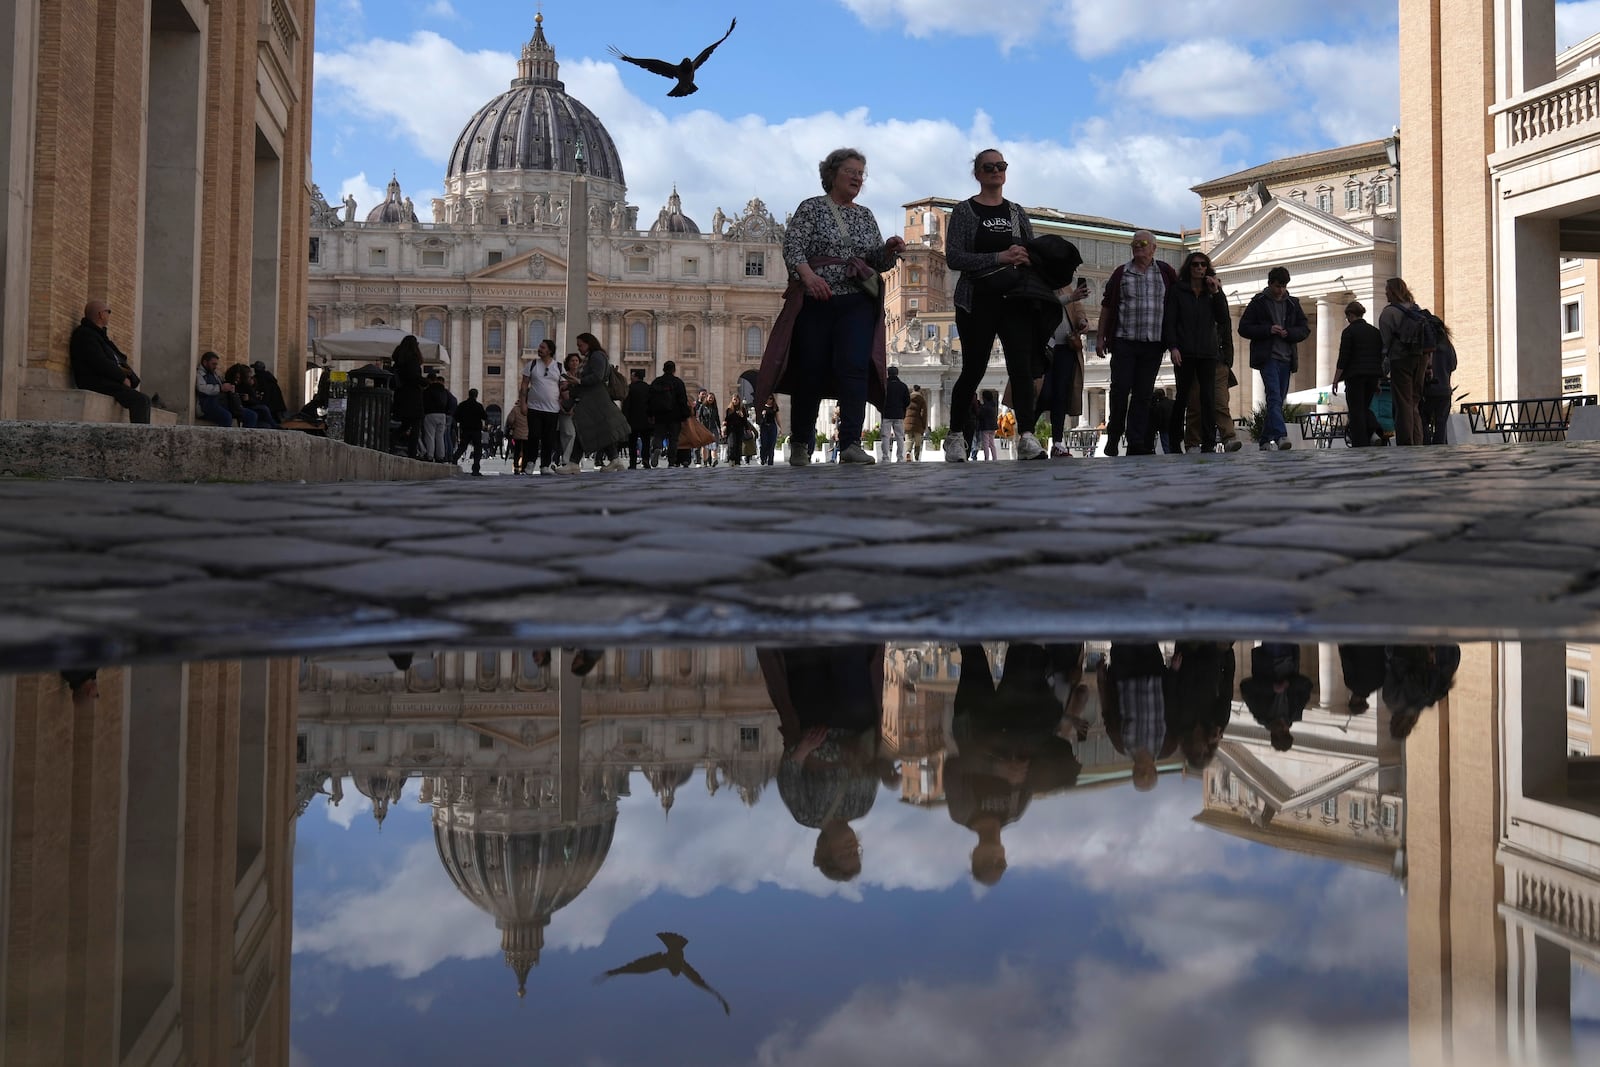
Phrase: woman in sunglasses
pixel 986 244
pixel 1197 331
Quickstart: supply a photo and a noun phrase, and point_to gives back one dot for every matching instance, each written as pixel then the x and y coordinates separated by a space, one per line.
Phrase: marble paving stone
pixel 659 568
pixel 1351 540
pixel 253 555
pixel 920 557
pixel 45 572
pixel 528 546
pixel 1261 562
pixel 749 541
pixel 373 529
pixel 425 579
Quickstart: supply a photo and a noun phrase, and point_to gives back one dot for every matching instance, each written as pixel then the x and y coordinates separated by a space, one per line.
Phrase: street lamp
pixel 1391 148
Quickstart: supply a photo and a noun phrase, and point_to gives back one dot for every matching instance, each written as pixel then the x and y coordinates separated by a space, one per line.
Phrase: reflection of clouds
pixel 410 924
pixel 352 805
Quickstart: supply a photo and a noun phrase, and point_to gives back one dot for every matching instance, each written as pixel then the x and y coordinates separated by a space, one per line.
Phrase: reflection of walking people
pixel 1276 692
pixel 830 709
pixel 828 340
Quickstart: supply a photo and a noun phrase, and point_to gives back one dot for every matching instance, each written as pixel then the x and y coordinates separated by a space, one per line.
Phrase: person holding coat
pixel 736 427
pixel 600 426
pixel 1194 326
pixel 828 340
pixel 916 422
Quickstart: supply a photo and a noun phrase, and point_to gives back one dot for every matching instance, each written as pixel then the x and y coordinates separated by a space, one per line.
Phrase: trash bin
pixel 368 403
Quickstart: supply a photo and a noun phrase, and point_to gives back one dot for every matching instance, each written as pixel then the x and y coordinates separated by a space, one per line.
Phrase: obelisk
pixel 577 314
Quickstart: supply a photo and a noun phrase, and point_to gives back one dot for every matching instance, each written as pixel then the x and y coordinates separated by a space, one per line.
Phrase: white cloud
pixel 1011 22
pixel 1576 22
pixel 441 9
pixel 1204 79
pixel 1326 74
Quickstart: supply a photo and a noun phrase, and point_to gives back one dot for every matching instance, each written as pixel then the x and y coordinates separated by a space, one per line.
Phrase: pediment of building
pixel 1287 231
pixel 535 264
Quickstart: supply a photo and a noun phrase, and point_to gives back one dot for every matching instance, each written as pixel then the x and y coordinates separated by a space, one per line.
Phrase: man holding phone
pixel 1130 333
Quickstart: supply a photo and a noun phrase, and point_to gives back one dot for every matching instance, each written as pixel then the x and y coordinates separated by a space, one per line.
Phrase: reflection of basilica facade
pixel 487 274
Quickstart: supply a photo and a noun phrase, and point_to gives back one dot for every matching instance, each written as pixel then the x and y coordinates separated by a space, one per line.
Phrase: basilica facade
pixel 487 274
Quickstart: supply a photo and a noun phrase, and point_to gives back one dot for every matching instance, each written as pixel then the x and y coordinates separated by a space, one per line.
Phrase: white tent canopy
pixel 374 344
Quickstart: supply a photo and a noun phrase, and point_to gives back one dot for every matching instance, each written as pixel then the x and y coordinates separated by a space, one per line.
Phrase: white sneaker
pixel 856 454
pixel 1028 447
pixel 565 468
pixel 955 448
pixel 617 464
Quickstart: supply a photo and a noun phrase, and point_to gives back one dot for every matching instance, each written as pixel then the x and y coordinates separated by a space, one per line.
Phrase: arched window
pixel 638 337
pixel 752 342
pixel 537 331
pixel 433 328
pixel 688 340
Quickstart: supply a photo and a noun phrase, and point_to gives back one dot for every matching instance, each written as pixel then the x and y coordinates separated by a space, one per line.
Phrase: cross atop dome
pixel 538 62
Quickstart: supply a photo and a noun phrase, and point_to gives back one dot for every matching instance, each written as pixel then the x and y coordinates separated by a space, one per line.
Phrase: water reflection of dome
pixel 382 789
pixel 505 847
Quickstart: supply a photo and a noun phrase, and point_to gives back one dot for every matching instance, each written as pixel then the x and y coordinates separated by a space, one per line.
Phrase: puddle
pixel 929 852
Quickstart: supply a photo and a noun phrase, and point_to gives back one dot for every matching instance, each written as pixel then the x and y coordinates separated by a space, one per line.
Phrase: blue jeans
pixel 1275 379
pixel 830 355
pixel 215 409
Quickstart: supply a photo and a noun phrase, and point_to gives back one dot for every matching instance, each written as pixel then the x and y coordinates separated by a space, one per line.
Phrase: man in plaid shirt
pixel 1130 333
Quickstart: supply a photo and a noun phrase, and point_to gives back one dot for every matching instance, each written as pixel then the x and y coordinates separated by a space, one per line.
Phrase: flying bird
pixel 684 71
pixel 671 961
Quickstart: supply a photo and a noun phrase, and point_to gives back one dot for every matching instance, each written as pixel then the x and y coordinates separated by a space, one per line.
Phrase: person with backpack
pixel 669 410
pixel 1436 387
pixel 1408 347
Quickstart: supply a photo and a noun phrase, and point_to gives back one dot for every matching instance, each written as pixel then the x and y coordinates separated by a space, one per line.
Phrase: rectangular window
pixel 1577 690
pixel 1358 812
pixel 916 277
pixel 633 735
pixel 423 742
pixel 912 303
pixel 377 257
pixel 1572 384
pixel 495 257
pixel 1330 808
pixel 367 741
pixel 686 735
pixel 492 370
pixel 1381 194
pixel 691 267
pixel 755 265
pixel 749 738
pixel 433 257
pixel 1352 198
pixel 1572 317
pixel 1325 201
pixel 496 338
pixel 1389 817
pixel 316 250
pixel 300 748
pixel 485 741
pixel 639 264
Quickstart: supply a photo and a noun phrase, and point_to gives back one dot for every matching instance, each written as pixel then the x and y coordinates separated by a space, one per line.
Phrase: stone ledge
pixel 48 404
pixel 122 452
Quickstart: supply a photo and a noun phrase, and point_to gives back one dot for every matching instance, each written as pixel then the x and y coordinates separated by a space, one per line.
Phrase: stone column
pixel 347 316
pixel 456 332
pixel 1529 363
pixel 1529 49
pixel 1330 679
pixel 569 698
pixel 475 349
pixel 1327 342
pixel 714 348
pixel 663 322
pixel 511 361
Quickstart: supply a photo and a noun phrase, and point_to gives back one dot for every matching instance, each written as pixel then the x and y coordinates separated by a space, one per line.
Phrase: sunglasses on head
pixel 993 168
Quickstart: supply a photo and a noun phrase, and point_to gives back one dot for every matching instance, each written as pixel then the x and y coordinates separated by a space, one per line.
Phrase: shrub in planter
pixel 1258 418
pixel 937 435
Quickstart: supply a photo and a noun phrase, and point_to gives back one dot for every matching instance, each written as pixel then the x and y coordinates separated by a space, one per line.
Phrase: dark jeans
pixel 1435 414
pixel 1358 395
pixel 736 446
pixel 831 354
pixel 137 404
pixel 1133 378
pixel 666 439
pixel 1059 382
pixel 769 442
pixel 544 434
pixel 217 410
pixel 639 448
pixel 1018 330
pixel 1200 374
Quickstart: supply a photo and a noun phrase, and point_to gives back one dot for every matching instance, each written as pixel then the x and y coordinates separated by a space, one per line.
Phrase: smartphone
pixel 1083 283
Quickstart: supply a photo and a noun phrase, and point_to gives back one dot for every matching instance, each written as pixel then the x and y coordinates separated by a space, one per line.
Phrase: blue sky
pixel 1107 107
pixel 1122 932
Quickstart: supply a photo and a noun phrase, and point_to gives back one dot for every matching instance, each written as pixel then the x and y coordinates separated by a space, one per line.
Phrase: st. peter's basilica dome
pixel 534 126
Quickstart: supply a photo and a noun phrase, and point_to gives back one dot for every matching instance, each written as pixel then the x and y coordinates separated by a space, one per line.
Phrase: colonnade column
pixel 511 359
pixel 475 349
pixel 1327 343
pixel 715 349
pixel 456 332
pixel 662 319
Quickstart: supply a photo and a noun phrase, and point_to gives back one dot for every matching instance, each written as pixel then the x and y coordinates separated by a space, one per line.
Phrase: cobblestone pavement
pixel 1473 542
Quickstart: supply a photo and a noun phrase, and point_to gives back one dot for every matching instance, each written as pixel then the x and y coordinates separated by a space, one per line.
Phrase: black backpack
pixel 662 403
pixel 1418 334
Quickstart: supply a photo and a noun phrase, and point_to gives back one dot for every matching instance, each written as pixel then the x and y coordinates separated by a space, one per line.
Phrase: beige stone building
pixel 488 274
pixel 146 865
pixel 155 156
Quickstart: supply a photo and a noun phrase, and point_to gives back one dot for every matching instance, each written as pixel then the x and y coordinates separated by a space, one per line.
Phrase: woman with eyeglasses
pixel 987 244
pixel 828 340
pixel 1195 325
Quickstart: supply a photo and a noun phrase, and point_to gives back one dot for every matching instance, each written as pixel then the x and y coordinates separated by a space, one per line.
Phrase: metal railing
pixel 1324 427
pixel 1539 419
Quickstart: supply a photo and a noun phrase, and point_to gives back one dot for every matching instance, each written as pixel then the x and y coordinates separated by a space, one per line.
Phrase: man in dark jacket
pixel 636 409
pixel 1274 326
pixel 270 391
pixel 1276 692
pixel 1361 369
pixel 100 367
pixel 669 409
pixel 470 417
pixel 895 399
pixel 1436 387
pixel 1130 333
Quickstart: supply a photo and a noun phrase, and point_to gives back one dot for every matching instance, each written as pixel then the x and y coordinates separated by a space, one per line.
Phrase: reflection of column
pixel 1327 343
pixel 511 361
pixel 569 693
pixel 1539 991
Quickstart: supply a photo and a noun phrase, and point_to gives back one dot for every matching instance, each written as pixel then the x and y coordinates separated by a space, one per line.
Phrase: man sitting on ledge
pixel 216 400
pixel 100 367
